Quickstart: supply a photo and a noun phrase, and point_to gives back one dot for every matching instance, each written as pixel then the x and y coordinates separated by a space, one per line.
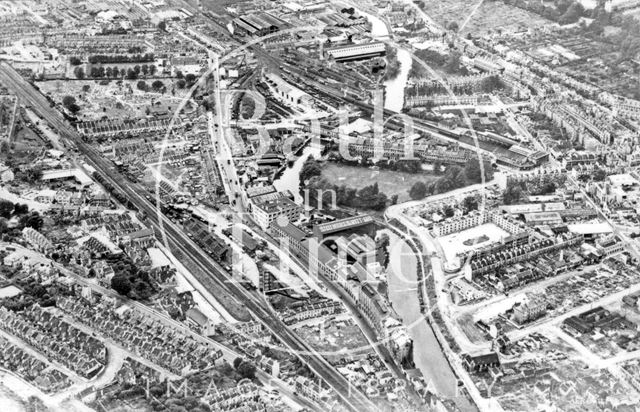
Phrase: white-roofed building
pixel 356 51
pixel 597 228
pixel 287 92
pixel 67 174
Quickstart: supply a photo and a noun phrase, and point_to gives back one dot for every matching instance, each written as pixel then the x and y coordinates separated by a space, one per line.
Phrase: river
pixel 427 354
pixel 402 278
pixel 394 88
pixel 394 100
pixel 290 177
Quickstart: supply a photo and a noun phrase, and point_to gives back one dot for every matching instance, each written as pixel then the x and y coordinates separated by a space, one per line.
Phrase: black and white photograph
pixel 320 205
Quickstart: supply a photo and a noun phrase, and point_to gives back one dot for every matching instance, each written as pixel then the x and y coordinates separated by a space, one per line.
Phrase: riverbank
pixel 405 286
pixel 289 178
pixel 395 84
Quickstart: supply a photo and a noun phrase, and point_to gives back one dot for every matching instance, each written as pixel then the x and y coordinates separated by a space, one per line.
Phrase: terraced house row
pixel 56 339
pixel 145 337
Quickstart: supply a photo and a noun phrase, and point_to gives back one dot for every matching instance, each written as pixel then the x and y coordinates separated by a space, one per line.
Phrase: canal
pixel 403 285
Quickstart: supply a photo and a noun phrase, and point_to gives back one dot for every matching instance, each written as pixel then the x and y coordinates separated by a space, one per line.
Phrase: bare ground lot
pixel 117 99
pixel 490 16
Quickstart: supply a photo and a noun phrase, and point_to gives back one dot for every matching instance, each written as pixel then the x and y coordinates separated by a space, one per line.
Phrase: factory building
pixel 356 51
pixel 287 92
pixel 258 24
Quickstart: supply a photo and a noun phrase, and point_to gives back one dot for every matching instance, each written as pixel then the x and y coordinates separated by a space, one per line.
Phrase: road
pixel 357 315
pixel 416 233
pixel 211 275
pixel 219 131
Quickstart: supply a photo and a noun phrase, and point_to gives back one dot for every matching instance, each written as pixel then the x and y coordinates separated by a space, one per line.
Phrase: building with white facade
pixel 268 211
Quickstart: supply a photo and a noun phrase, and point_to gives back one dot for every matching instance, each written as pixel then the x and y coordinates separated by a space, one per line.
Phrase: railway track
pixel 210 274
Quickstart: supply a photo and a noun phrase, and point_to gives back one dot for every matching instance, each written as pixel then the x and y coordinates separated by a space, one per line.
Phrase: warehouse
pixel 258 24
pixel 356 51
pixel 288 92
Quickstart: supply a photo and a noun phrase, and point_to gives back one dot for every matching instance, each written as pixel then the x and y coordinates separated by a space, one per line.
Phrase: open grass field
pixel 389 182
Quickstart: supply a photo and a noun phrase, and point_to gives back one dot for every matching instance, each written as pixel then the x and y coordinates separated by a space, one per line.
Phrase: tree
pixel 418 191
pixel 453 65
pixel 69 102
pixel 248 106
pixel 310 168
pixel 190 78
pixel 455 177
pixel 247 370
pixel 145 69
pixel 21 209
pixel 453 26
pixel 31 174
pixel 79 73
pixel 32 220
pixel 121 284
pixel 152 69
pixel 448 211
pixel 86 88
pixel 131 74
pixel 142 85
pixel 383 241
pixel 437 167
pixel 181 83
pixel 470 203
pixel 573 14
pixel 179 74
pixel 547 188
pixel 157 85
pixel 599 175
pixel 4 226
pixel 491 84
pixel 369 197
pixel 236 362
pixel 115 71
pixel 512 194
pixel 473 172
pixel 162 26
pixel 6 208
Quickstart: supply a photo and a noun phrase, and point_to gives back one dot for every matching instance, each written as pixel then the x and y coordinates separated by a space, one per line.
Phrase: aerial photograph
pixel 319 205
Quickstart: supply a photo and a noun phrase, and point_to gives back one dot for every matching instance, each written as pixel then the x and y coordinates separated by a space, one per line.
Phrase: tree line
pixel 369 197
pixel 130 73
pixel 453 178
pixel 121 58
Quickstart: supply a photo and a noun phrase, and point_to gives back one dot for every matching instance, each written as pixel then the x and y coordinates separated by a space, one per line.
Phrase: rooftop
pixel 343 224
